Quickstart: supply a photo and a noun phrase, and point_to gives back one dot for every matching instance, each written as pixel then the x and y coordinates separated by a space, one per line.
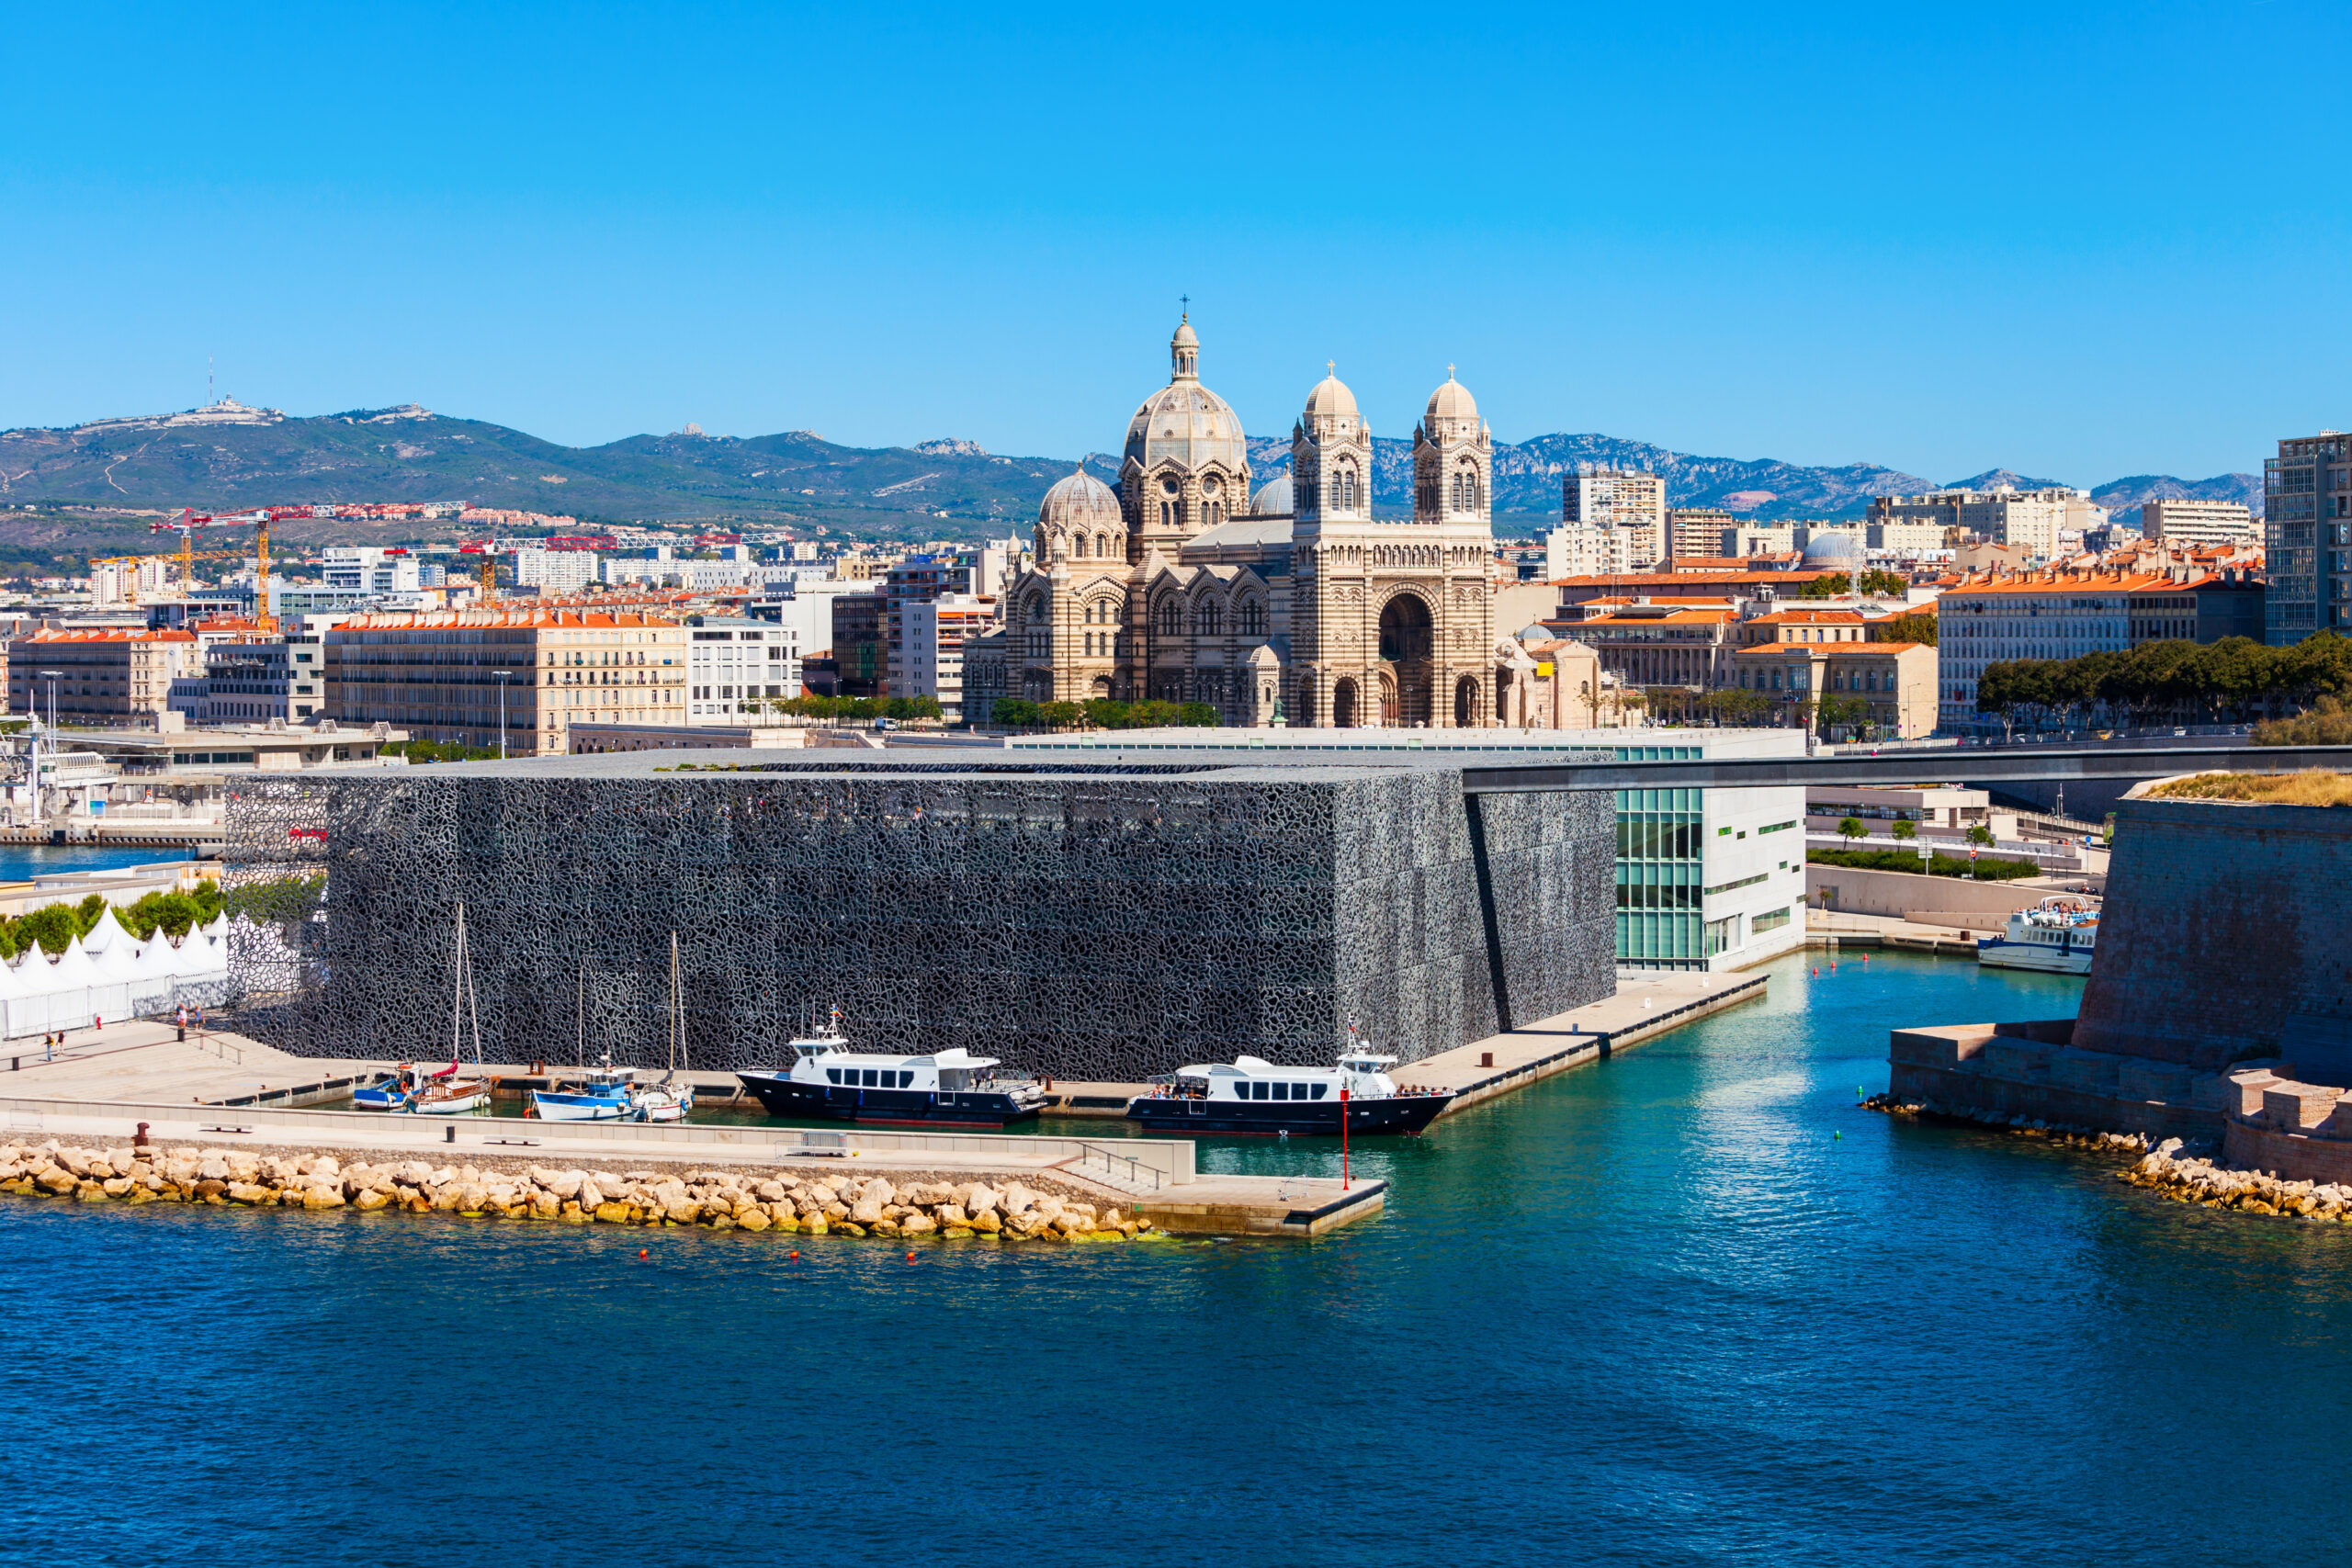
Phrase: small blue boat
pixel 393 1091
pixel 601 1094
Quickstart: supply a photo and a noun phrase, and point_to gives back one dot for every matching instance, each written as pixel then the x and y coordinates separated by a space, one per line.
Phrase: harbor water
pixel 1687 1304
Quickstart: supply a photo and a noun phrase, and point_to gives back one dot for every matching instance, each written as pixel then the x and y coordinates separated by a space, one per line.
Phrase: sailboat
pixel 591 1094
pixel 669 1099
pixel 449 1092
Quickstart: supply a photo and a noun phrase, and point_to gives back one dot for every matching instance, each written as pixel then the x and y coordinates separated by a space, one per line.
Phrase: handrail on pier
pixel 1088 1153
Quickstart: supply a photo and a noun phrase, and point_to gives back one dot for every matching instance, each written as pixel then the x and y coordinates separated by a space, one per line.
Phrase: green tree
pixel 1980 834
pixel 1885 585
pixel 1830 585
pixel 1852 828
pixel 1015 713
pixel 51 925
pixel 1906 829
pixel 1912 625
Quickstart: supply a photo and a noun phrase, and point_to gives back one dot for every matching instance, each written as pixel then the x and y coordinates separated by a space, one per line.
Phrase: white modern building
pixel 555 572
pixel 365 571
pixel 2032 519
pixel 736 666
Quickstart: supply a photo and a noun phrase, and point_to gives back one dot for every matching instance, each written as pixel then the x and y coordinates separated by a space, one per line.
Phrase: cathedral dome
pixel 1332 398
pixel 1273 498
pixel 1451 401
pixel 1833 550
pixel 1184 422
pixel 1081 502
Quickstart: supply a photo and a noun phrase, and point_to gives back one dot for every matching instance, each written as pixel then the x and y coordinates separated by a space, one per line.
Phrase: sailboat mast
pixel 675 1020
pixel 457 987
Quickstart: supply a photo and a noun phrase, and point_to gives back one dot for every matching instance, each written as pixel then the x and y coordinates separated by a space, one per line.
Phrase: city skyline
pixel 1718 234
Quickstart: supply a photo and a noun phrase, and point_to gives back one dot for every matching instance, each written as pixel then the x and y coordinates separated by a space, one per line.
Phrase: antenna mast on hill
pixel 209 399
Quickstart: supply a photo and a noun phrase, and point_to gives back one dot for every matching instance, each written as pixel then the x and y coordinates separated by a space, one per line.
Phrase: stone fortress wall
pixel 2217 1007
pixel 1088 924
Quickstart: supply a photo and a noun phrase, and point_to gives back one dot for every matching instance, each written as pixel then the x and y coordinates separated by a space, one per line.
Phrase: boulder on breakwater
pixel 784 1200
pixel 2184 1177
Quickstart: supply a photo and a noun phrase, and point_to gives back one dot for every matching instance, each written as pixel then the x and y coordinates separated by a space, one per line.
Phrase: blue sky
pixel 2080 242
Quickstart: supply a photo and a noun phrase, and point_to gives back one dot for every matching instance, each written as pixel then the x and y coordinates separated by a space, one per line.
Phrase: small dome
pixel 1081 502
pixel 1273 498
pixel 1185 337
pixel 1332 398
pixel 1837 547
pixel 1453 401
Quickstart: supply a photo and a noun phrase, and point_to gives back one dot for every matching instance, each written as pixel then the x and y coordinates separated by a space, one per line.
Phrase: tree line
pixel 54 925
pixel 2234 678
pixel 1100 713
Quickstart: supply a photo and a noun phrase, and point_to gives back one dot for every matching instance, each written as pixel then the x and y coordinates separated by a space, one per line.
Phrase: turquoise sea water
pixel 22 863
pixel 1688 1306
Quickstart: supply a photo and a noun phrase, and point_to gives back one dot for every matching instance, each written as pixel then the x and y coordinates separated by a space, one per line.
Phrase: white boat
pixel 2057 936
pixel 586 1094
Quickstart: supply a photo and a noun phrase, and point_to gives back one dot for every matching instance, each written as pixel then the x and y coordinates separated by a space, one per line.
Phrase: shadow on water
pixel 1686 1305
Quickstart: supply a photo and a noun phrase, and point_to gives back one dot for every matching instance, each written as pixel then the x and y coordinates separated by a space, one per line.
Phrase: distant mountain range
pixel 229 456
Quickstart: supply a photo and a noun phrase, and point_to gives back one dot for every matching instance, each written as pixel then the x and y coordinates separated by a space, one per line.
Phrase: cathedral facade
pixel 1287 604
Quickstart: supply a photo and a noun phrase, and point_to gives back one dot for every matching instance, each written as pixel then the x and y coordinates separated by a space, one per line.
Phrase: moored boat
pixel 599 1094
pixel 2057 936
pixel 391 1092
pixel 448 1091
pixel 1251 1095
pixel 829 1079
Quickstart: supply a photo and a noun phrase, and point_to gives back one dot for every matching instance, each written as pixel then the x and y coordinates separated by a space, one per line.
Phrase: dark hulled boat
pixel 827 1080
pixel 1254 1096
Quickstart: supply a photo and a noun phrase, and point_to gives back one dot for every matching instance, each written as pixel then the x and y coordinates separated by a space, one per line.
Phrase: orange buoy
pixel 642 1252
pixel 911 1258
pixel 794 1253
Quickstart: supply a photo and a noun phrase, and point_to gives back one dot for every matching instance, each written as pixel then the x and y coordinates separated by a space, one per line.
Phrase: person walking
pixel 183 1020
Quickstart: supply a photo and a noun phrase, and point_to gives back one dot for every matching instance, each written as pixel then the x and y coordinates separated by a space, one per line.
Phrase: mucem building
pixel 1095 919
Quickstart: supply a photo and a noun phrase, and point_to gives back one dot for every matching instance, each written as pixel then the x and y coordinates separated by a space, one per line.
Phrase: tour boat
pixel 829 1079
pixel 1252 1095
pixel 449 1092
pixel 2057 936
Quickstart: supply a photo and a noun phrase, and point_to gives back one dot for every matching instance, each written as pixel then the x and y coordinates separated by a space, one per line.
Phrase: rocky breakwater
pixel 787 1201
pixel 2184 1177
pixel 2066 1134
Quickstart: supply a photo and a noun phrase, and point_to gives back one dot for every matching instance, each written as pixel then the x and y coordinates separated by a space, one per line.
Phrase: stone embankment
pixel 2188 1177
pixel 794 1203
pixel 2064 1134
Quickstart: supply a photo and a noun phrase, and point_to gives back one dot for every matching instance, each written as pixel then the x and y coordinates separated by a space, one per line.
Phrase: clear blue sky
pixel 2080 242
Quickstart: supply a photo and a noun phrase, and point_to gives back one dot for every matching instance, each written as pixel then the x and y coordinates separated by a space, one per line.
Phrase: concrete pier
pixel 1646 1004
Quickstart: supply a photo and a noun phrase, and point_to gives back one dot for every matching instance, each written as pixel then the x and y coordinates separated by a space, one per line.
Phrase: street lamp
pixel 502 675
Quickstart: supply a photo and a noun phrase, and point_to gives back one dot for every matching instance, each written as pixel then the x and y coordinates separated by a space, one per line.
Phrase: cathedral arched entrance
pixel 1344 702
pixel 1466 702
pixel 1102 686
pixel 1407 641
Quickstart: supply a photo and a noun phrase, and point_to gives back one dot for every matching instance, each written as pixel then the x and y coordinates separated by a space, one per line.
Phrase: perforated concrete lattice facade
pixel 1101 923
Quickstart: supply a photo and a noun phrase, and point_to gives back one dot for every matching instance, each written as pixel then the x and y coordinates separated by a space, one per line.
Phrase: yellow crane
pixel 186 558
pixel 189 520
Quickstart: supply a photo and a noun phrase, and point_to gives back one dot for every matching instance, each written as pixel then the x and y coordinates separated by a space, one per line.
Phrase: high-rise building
pixel 1601 497
pixel 554 571
pixel 932 655
pixel 1703 532
pixel 857 644
pixel 2307 529
pixel 2182 520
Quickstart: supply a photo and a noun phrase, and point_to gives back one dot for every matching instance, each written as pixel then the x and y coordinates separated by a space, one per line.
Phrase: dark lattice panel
pixel 1103 926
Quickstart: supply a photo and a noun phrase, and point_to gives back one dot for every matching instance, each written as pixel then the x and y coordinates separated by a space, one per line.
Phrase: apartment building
pixel 2307 529
pixel 2046 614
pixel 458 675
pixel 932 655
pixel 2032 519
pixel 1703 532
pixel 555 572
pixel 914 580
pixel 2180 521
pixel 1612 499
pixel 738 668
pixel 858 649
pixel 103 675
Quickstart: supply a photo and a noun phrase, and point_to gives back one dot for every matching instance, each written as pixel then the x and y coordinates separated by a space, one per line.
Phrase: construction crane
pixel 186 558
pixel 189 521
pixel 486 571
